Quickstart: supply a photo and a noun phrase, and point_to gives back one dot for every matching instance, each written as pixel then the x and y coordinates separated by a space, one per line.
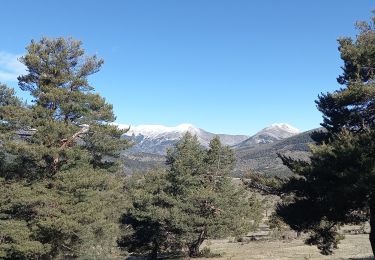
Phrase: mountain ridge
pixel 258 157
pixel 155 139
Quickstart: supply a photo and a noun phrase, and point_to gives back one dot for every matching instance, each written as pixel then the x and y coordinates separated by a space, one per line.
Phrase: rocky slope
pixel 264 159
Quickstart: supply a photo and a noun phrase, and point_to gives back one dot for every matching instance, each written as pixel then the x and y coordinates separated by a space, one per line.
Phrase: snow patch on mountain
pixel 279 131
pixel 286 127
pixel 270 134
pixel 156 131
pixel 155 139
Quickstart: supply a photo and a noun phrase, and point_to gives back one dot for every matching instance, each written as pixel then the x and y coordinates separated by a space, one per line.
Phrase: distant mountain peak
pixel 284 126
pixel 270 134
pixel 153 131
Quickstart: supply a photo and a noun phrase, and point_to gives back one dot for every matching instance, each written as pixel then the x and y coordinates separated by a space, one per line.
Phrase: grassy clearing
pixel 356 247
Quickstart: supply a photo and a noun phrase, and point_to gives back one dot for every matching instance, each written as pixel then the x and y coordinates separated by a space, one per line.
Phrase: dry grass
pixel 352 247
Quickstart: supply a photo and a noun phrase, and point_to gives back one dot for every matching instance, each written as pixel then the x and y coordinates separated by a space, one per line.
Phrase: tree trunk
pixel 193 250
pixel 194 247
pixel 154 253
pixel 372 226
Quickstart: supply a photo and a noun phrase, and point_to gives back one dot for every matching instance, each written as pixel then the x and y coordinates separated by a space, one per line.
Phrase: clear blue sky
pixel 226 66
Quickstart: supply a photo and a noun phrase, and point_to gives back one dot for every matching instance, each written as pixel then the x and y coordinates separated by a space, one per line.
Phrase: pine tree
pixel 220 160
pixel 157 220
pixel 337 186
pixel 150 223
pixel 194 200
pixel 60 194
pixel 216 208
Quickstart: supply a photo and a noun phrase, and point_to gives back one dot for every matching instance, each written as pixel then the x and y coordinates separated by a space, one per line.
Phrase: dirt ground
pixel 355 247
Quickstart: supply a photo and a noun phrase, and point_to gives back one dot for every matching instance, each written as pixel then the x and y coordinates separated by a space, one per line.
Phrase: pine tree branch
pixel 67 143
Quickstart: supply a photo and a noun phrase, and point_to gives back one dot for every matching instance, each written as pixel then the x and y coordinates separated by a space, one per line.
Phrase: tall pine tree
pixel 194 200
pixel 212 206
pixel 60 194
pixel 337 187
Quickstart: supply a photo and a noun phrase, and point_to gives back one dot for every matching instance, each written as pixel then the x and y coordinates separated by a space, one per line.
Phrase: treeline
pixel 62 191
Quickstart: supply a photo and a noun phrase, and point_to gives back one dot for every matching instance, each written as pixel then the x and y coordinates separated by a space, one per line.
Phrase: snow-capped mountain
pixel 155 139
pixel 157 131
pixel 274 132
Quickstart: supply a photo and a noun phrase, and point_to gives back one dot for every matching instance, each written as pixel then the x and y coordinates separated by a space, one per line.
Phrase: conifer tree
pixel 60 195
pixel 215 208
pixel 337 186
pixel 192 201
pixel 220 160
pixel 152 217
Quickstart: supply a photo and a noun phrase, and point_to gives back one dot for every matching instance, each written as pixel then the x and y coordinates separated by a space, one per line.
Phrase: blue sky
pixel 232 66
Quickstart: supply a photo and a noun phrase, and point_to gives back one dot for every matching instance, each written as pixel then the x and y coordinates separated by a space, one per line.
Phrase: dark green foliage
pixel 8 98
pixel 263 184
pixel 152 217
pixel 211 206
pixel 60 195
pixel 337 186
pixel 192 201
pixel 351 107
pixel 186 163
pixel 220 159
pixel 73 215
pixel 325 237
